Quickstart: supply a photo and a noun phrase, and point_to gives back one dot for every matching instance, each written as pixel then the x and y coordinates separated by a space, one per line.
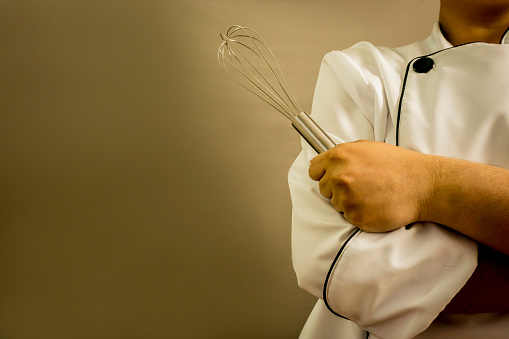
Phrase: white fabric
pixel 395 284
pixel 328 325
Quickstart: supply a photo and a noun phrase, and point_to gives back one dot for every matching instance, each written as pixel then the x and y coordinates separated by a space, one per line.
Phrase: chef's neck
pixel 464 21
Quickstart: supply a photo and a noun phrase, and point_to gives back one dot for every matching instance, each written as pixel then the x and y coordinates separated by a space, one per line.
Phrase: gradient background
pixel 143 192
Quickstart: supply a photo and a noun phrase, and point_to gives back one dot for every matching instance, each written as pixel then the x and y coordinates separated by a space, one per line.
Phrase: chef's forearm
pixel 472 199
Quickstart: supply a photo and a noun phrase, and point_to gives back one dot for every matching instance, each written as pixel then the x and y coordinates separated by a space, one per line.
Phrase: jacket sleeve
pixel 391 284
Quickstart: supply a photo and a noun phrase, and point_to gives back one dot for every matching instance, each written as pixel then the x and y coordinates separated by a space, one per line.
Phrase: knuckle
pixel 357 220
pixel 344 180
pixel 350 206
pixel 336 205
pixel 367 227
pixel 336 153
pixel 324 191
pixel 341 179
pixel 353 219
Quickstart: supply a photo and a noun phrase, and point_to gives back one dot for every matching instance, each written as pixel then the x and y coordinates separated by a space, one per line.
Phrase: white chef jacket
pixel 429 97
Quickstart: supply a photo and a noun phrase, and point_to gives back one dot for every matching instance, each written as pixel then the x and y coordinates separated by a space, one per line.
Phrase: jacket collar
pixel 442 42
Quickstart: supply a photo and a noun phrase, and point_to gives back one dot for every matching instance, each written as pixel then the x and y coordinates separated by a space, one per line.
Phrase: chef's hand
pixel 378 187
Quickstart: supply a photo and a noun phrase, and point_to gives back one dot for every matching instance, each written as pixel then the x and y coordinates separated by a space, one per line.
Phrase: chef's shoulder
pixel 372 60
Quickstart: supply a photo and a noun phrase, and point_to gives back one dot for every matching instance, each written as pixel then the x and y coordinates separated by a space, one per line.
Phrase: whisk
pixel 247 58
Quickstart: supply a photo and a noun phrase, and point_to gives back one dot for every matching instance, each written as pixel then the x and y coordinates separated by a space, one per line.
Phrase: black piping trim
pixel 406 76
pixel 330 273
pixel 401 99
pixel 503 35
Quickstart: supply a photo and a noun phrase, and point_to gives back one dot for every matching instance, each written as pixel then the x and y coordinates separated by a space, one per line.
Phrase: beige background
pixel 143 193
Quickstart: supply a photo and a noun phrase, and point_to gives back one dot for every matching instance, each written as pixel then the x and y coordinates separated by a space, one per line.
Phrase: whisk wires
pixel 247 58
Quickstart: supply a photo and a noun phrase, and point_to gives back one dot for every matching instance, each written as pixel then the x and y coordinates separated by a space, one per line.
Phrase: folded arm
pixel 472 199
pixel 380 187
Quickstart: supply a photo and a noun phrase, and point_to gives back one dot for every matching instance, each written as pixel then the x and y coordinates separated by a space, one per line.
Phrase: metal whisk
pixel 247 58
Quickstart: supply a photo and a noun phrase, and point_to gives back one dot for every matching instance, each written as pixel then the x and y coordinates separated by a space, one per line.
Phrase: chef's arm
pixel 472 199
pixel 380 187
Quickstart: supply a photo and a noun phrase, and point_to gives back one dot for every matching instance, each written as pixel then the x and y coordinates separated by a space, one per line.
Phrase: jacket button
pixel 423 65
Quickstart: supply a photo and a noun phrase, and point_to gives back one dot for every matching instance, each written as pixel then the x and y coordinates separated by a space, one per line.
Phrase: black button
pixel 423 65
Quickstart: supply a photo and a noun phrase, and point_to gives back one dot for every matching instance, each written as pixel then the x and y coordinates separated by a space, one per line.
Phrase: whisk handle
pixel 312 133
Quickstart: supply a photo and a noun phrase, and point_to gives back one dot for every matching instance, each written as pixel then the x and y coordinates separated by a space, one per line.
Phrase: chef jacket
pixel 428 97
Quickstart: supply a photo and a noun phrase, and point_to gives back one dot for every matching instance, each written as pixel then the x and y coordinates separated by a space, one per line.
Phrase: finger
pixel 325 187
pixel 317 167
pixel 338 200
pixel 335 202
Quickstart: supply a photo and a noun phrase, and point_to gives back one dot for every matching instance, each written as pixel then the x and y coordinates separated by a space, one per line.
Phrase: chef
pixel 403 228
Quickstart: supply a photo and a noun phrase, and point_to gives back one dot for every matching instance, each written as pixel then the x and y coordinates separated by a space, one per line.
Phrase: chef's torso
pixel 455 103
pixel 436 99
